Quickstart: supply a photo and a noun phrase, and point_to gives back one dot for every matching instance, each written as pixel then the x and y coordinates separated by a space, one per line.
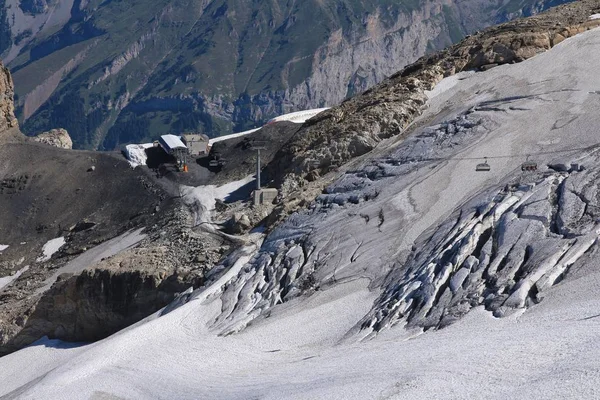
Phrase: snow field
pixel 309 347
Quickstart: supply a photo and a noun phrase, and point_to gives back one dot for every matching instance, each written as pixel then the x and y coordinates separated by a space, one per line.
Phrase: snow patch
pixel 595 16
pixel 298 117
pixel 136 154
pixel 104 250
pixel 447 84
pixel 232 136
pixel 3 247
pixel 203 198
pixel 7 280
pixel 51 247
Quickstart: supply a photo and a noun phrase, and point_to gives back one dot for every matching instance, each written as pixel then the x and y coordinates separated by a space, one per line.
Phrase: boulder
pixel 239 223
pixel 56 137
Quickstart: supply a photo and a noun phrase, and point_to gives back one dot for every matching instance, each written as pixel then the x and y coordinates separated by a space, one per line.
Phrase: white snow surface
pixel 90 257
pixel 136 154
pixel 7 280
pixel 447 84
pixel 4 247
pixel 202 199
pixel 294 345
pixel 51 247
pixel 595 16
pixel 232 136
pixel 298 117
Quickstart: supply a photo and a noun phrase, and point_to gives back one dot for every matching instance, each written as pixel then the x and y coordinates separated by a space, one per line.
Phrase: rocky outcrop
pixel 97 303
pixel 7 107
pixel 356 126
pixel 56 137
pixel 112 292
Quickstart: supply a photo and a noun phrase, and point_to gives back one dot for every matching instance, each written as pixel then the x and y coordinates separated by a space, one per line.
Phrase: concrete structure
pixel 197 143
pixel 264 196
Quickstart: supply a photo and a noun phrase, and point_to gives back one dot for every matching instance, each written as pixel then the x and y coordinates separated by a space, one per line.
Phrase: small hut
pixel 197 143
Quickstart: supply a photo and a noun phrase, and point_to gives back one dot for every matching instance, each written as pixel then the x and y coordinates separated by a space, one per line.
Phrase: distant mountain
pixel 112 71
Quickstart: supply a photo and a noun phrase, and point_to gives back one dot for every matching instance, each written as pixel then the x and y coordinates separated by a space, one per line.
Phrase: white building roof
pixel 171 142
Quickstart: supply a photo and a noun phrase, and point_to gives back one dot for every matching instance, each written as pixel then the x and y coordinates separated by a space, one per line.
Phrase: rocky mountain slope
pixel 7 105
pixel 60 211
pixel 412 275
pixel 115 72
pixel 404 249
pixel 389 110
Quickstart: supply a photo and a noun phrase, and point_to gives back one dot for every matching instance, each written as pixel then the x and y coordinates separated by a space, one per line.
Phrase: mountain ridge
pixel 216 66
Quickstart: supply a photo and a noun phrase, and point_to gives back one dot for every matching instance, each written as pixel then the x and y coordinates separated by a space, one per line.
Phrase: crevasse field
pixel 408 241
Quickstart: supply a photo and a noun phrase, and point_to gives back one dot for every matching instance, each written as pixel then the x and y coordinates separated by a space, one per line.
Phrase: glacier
pixel 412 275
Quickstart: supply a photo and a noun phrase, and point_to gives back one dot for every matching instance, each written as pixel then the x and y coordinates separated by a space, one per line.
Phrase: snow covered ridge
pixel 232 136
pixel 298 117
pixel 469 260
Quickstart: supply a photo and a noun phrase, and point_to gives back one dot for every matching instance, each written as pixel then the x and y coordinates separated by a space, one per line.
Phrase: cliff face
pixel 94 305
pixel 118 72
pixel 7 108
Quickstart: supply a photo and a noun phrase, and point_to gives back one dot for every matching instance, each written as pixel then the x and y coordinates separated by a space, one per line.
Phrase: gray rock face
pixel 95 304
pixel 7 108
pixel 56 137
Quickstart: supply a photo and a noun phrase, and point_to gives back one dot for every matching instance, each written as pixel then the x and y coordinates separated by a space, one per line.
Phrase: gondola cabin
pixel 529 166
pixel 483 167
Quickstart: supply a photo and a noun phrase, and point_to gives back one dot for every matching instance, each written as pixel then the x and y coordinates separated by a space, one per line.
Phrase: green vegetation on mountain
pixel 112 72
